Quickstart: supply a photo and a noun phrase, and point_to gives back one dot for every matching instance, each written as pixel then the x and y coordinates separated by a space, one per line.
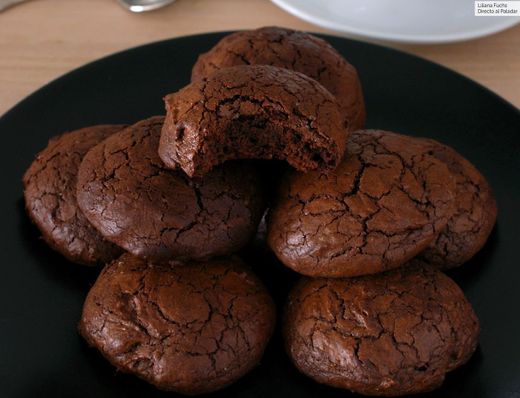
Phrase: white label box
pixel 497 8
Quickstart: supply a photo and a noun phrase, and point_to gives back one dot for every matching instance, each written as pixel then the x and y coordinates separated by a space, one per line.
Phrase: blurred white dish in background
pixel 412 21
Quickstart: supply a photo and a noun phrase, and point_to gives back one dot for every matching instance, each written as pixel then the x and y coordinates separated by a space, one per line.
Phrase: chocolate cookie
pixel 191 328
pixel 50 197
pixel 252 112
pixel 134 201
pixel 385 203
pixel 389 334
pixel 475 213
pixel 293 50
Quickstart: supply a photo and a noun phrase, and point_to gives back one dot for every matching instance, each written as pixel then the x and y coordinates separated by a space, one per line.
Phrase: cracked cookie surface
pixel 389 334
pixel 383 204
pixel 192 328
pixel 153 212
pixel 292 50
pixel 475 213
pixel 50 197
pixel 252 112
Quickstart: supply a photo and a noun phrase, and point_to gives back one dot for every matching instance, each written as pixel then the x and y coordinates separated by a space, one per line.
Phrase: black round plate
pixel 41 295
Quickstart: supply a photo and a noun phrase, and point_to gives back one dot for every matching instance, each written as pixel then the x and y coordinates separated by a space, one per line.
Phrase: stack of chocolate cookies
pixel 371 218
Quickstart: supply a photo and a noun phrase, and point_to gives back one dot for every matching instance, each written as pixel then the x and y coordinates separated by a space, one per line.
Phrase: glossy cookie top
pixel 386 202
pixel 475 212
pixel 50 197
pixel 190 328
pixel 298 51
pixel 252 112
pixel 153 212
pixel 389 334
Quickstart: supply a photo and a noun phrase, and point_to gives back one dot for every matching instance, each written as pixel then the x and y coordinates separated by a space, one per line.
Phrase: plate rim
pixel 393 37
pixel 103 61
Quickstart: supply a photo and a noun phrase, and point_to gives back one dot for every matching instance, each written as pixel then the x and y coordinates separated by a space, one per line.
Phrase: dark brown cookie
pixel 134 201
pixel 50 197
pixel 191 328
pixel 385 203
pixel 389 334
pixel 293 50
pixel 252 112
pixel 475 213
